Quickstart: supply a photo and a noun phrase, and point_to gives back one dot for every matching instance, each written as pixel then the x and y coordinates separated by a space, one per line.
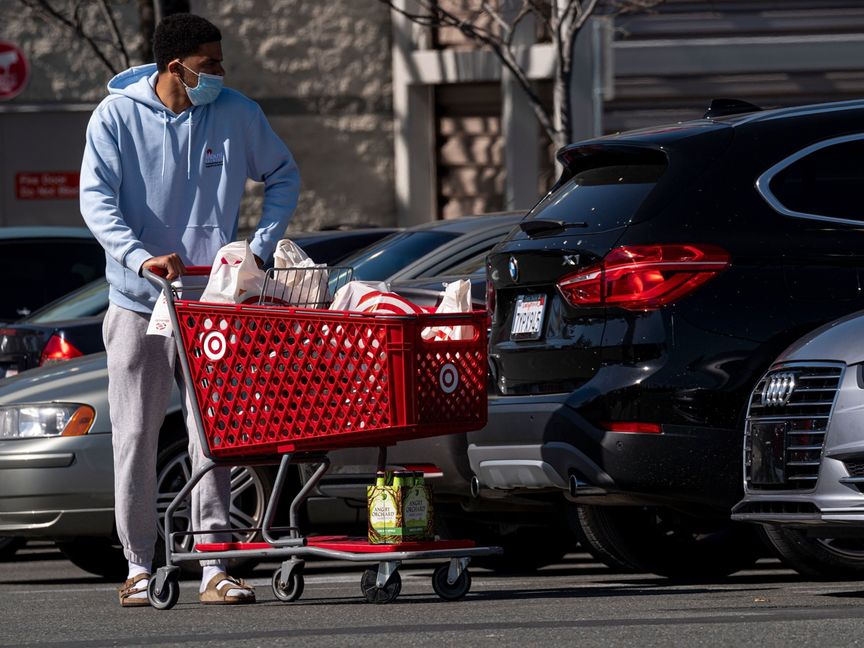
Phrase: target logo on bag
pixel 215 345
pixel 448 378
pixel 381 302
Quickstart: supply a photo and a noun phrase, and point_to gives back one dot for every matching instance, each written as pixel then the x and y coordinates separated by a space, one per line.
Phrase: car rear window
pixel 389 255
pixel 603 196
pixel 45 269
pixel 89 301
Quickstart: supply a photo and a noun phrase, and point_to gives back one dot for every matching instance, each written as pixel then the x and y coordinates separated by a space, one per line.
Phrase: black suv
pixel 638 304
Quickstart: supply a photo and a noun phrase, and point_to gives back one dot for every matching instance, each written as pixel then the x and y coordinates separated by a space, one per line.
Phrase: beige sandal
pixel 214 595
pixel 130 588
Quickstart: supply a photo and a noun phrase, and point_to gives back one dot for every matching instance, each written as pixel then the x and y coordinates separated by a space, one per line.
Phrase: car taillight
pixel 490 296
pixel 644 277
pixel 58 349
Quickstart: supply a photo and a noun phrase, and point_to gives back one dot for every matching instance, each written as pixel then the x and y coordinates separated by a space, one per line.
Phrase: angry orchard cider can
pixel 383 510
pixel 417 509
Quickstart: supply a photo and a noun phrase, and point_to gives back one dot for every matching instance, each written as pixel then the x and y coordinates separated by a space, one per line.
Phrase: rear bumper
pixel 540 442
pixel 57 487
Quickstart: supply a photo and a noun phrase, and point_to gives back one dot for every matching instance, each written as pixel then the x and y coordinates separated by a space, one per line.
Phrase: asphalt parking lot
pixel 47 602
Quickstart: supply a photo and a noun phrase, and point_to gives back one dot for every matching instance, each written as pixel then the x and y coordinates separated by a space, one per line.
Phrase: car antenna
pixel 724 107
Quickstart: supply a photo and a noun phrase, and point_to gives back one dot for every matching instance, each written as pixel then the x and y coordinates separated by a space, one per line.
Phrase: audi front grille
pixel 786 425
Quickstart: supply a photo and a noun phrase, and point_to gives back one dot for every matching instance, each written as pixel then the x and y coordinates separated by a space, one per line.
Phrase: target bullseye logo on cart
pixel 448 378
pixel 214 345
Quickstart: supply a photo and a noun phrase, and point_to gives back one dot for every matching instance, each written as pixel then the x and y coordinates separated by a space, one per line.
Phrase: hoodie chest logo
pixel 213 159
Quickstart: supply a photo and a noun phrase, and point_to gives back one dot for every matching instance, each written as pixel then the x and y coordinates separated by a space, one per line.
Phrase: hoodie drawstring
pixel 189 150
pixel 164 136
pixel 165 146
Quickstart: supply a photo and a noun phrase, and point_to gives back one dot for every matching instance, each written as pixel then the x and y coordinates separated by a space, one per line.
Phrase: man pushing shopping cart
pixel 166 161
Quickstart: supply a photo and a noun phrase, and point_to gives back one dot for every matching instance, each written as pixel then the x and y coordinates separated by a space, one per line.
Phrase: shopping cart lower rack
pixel 272 384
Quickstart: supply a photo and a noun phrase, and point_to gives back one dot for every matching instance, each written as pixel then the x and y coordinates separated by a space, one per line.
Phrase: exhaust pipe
pixel 573 485
pixel 475 487
pixel 578 490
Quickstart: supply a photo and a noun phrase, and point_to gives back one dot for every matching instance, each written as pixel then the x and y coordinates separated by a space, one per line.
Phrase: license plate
pixel 768 453
pixel 528 317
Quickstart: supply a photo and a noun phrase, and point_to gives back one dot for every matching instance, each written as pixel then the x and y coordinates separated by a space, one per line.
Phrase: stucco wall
pixel 320 70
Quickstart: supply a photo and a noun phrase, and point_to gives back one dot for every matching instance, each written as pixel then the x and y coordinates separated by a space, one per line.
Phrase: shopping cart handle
pixel 156 275
pixel 194 271
pixel 197 271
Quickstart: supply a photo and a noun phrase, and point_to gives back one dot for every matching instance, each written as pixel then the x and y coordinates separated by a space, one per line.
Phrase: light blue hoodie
pixel 154 182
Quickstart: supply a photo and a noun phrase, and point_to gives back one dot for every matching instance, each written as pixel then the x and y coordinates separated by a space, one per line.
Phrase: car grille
pixel 786 425
pixel 776 508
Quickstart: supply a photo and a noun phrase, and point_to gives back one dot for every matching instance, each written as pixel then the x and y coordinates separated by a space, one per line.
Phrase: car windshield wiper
pixel 539 225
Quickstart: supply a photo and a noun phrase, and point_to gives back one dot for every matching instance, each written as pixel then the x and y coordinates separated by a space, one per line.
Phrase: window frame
pixel 763 182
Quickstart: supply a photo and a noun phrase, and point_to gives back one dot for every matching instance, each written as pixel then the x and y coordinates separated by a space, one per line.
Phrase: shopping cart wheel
pixel 169 596
pixel 289 591
pixel 375 594
pixel 450 591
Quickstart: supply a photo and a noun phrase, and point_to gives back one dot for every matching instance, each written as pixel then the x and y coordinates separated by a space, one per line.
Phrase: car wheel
pixel 599 546
pixel 9 545
pixel 100 556
pixel 672 544
pixel 818 558
pixel 250 490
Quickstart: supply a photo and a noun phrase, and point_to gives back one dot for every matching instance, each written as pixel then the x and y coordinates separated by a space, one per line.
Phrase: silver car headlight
pixel 31 420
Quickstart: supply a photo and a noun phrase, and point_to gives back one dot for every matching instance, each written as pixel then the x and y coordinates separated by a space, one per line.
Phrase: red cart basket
pixel 272 383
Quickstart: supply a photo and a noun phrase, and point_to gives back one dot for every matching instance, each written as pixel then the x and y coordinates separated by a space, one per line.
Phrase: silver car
pixel 804 452
pixel 56 471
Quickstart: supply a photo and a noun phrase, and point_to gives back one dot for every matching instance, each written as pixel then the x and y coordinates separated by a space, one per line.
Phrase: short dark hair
pixel 180 35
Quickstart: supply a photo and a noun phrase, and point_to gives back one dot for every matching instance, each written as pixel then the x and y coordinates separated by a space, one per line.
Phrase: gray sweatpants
pixel 141 372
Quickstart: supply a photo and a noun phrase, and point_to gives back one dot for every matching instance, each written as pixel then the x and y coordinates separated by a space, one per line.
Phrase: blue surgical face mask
pixel 208 88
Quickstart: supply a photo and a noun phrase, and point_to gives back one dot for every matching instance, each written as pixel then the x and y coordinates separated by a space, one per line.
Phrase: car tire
pixel 818 558
pixel 250 491
pixel 99 556
pixel 9 545
pixel 672 544
pixel 598 545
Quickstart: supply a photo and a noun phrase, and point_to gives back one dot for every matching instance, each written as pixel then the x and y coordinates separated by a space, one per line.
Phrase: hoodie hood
pixel 138 83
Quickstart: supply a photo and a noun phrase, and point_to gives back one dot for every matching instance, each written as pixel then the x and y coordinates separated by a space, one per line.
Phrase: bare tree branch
pixel 507 29
pixel 563 19
pixel 525 11
pixel 49 13
pixel 115 32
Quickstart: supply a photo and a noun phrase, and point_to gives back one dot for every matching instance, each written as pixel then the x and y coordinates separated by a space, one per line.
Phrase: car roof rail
pixel 724 107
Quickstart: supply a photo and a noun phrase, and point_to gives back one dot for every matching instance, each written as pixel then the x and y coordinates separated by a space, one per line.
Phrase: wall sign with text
pixel 47 185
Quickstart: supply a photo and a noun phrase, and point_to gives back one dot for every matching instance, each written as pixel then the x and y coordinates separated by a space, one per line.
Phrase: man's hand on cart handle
pixel 170 264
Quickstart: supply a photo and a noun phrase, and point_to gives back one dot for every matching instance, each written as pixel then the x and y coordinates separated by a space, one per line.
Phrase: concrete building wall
pixel 320 70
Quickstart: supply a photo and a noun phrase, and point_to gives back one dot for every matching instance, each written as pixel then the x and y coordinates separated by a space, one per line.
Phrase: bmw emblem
pixel 514 269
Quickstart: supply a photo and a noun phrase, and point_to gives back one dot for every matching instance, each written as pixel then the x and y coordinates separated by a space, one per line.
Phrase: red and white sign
pixel 47 185
pixel 14 70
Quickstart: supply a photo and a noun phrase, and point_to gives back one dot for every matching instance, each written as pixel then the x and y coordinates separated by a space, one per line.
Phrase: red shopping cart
pixel 271 383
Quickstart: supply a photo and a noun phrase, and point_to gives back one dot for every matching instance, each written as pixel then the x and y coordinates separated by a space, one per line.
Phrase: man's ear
pixel 175 69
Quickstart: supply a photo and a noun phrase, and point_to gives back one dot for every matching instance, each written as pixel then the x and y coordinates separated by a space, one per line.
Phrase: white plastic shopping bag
pixel 296 279
pixel 235 277
pixel 457 299
pixel 289 255
pixel 160 320
pixel 349 295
